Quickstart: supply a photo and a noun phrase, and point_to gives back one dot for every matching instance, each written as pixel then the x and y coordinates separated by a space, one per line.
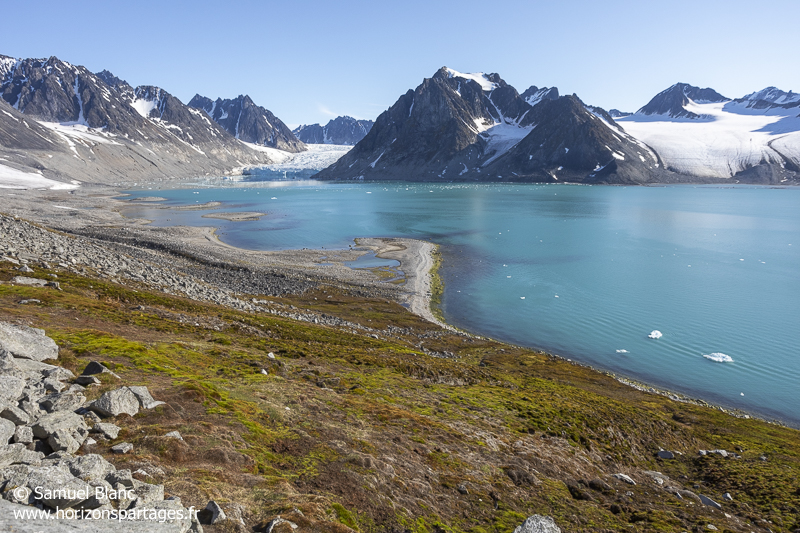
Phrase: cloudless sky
pixel 311 61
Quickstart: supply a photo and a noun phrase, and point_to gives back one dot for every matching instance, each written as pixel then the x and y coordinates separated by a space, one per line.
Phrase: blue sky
pixel 310 61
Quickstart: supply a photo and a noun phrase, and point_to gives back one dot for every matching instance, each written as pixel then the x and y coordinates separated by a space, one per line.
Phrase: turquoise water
pixel 579 271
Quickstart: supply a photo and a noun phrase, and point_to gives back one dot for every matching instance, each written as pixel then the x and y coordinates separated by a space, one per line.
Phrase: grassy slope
pixel 374 435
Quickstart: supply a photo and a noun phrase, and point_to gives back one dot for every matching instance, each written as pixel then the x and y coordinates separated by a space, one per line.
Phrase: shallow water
pixel 584 272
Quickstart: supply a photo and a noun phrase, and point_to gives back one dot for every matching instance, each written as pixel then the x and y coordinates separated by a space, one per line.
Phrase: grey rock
pixel 60 373
pixel 30 301
pixel 34 368
pixel 708 501
pixel 53 385
pixel 217 514
pixel 116 402
pixel 123 478
pixel 123 447
pixel 664 454
pixel 147 494
pixel 13 454
pixel 7 429
pixel 687 494
pixel 727 497
pixel 174 435
pixel 11 388
pixel 59 488
pixel 110 431
pixel 64 401
pixel 538 524
pixel 15 415
pixel 625 478
pixel 50 423
pixel 146 400
pixel 32 410
pixel 90 467
pixel 23 435
pixel 278 521
pixel 94 368
pixel 87 380
pixel 27 343
pixel 63 440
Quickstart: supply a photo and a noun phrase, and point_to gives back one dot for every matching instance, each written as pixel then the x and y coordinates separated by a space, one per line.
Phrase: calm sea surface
pixel 583 272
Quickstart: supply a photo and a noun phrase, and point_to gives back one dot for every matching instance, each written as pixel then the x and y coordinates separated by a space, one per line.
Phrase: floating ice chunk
pixel 719 357
pixel 556 295
pixel 274 198
pixel 521 297
pixel 622 351
pixel 741 393
pixel 655 334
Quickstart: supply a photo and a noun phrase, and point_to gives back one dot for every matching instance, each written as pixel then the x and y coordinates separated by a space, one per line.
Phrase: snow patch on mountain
pixel 11 178
pixel 479 77
pixel 773 95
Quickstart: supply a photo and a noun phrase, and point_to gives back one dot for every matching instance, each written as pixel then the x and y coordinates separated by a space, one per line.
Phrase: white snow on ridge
pixel 478 77
pixel 11 178
pixel 143 107
pixel 728 138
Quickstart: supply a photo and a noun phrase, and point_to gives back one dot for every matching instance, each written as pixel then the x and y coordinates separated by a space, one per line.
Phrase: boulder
pixel 216 513
pixel 147 494
pixel 123 447
pixel 15 415
pixel 664 454
pixel 145 399
pixel 72 423
pixel 122 478
pixel 90 467
pixel 705 500
pixel 23 435
pixel 7 429
pixel 94 368
pixel 538 524
pixel 87 380
pixel 64 401
pixel 27 343
pixel 59 488
pixel 116 402
pixel 174 435
pixel 627 479
pixel 62 440
pixel 25 280
pixel 110 431
pixel 11 388
pixel 16 454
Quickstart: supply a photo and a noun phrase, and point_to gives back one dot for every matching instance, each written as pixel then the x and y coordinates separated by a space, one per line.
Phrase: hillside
pixel 341 412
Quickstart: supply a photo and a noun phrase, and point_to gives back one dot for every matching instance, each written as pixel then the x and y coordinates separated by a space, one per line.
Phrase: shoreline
pixel 204 245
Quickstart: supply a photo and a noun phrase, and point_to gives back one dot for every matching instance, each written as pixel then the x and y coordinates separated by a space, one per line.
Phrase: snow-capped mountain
pixel 246 121
pixel 340 130
pixel 700 133
pixel 103 129
pixel 672 102
pixel 457 126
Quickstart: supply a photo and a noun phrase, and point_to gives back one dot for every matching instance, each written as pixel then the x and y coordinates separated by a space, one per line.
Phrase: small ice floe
pixel 274 198
pixel 719 357
pixel 521 297
pixel 369 192
pixel 622 351
pixel 741 393
pixel 508 276
pixel 556 295
pixel 655 334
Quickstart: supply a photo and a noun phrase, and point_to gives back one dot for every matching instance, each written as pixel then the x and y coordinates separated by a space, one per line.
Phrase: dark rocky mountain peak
pixel 465 127
pixel 341 130
pixel 671 101
pixel 616 113
pixel 770 98
pixel 533 95
pixel 246 121
pixel 113 81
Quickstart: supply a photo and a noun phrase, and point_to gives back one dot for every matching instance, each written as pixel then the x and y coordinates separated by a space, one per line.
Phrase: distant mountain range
pixel 66 123
pixel 341 130
pixel 246 121
pixel 476 127
pixel 60 121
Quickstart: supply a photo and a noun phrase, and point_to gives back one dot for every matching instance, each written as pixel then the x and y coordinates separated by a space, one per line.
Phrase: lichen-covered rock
pixel 18 454
pixel 15 415
pixel 538 524
pixel 110 431
pixel 64 401
pixel 62 440
pixel 146 400
pixel 7 429
pixel 27 343
pixel 11 388
pixel 116 402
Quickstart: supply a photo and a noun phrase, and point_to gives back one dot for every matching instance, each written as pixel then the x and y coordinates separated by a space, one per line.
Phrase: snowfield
pixel 727 138
pixel 11 178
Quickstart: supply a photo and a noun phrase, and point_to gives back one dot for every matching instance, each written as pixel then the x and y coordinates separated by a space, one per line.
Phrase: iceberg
pixel 719 357
pixel 622 351
pixel 655 334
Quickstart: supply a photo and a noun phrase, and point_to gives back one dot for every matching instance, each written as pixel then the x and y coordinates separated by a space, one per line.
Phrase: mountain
pixel 246 121
pixel 672 101
pixel 457 126
pixel 96 127
pixel 341 130
pixel 698 132
pixel 616 113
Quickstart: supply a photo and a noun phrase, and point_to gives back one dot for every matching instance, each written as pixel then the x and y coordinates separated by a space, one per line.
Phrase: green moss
pixel 344 516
